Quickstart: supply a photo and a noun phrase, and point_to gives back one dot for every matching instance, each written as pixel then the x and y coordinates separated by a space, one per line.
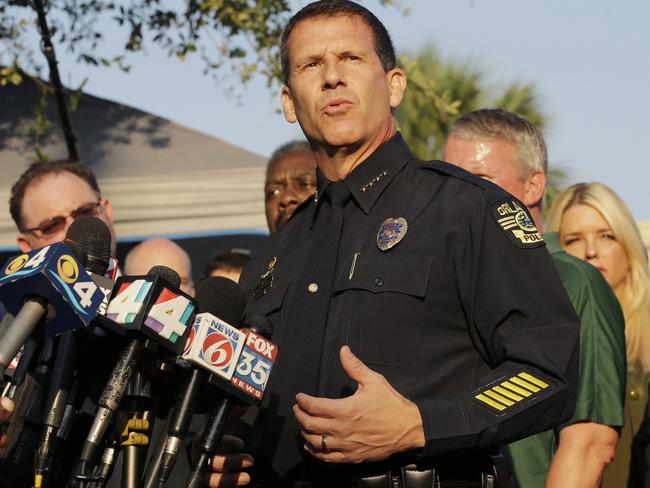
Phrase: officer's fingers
pixel 329 456
pixel 3 440
pixel 6 409
pixel 320 407
pixel 313 424
pixel 315 442
pixel 230 443
pixel 228 480
pixel 355 368
pixel 231 462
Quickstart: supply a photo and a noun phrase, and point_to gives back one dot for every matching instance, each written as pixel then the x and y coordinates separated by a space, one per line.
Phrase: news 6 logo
pixel 255 364
pixel 64 273
pixel 221 347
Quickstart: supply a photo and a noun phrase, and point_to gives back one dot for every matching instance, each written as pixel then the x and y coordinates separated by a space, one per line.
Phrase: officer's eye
pixel 272 192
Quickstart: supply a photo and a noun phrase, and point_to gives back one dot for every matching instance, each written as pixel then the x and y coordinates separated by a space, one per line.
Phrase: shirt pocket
pixel 379 302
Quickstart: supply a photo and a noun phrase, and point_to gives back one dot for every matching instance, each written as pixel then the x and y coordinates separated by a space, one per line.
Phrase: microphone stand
pixel 134 438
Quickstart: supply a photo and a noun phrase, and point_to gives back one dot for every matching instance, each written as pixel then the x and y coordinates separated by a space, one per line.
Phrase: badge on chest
pixel 391 232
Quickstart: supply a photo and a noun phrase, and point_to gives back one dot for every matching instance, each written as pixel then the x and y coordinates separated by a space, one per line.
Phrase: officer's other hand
pixel 226 465
pixel 6 411
pixel 373 424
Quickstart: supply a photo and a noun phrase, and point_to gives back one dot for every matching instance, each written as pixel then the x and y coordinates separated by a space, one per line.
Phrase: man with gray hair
pixel 508 150
pixel 290 180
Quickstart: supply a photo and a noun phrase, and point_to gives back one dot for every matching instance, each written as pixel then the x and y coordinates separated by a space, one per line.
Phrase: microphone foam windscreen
pixel 222 298
pixel 94 237
pixel 78 252
pixel 259 324
pixel 166 273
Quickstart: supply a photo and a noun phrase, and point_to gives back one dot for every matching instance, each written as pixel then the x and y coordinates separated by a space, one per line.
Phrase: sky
pixel 588 59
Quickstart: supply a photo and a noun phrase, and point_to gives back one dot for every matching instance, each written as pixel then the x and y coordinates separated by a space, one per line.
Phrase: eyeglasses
pixel 57 224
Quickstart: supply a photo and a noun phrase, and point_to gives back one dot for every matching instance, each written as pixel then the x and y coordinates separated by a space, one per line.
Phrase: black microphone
pixel 220 301
pixel 48 283
pixel 93 238
pixel 154 313
pixel 250 379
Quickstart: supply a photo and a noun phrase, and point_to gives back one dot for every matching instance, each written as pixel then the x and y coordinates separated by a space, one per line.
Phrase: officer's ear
pixel 287 105
pixel 396 86
pixel 534 189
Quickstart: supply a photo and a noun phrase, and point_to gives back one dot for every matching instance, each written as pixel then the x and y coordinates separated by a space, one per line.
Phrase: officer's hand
pixel 226 466
pixel 373 424
pixel 6 411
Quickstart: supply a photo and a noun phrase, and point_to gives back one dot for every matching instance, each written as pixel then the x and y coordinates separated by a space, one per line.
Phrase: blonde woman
pixel 595 225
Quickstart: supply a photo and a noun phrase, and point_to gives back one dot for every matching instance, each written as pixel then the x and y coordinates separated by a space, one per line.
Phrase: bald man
pixel 160 252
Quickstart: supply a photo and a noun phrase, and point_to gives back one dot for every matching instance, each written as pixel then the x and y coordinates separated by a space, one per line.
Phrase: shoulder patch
pixel 515 221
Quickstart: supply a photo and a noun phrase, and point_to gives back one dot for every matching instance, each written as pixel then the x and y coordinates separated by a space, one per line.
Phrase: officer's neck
pixel 337 162
pixel 536 214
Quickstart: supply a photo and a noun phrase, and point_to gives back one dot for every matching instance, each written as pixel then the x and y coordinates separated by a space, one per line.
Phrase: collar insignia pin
pixel 266 280
pixel 391 232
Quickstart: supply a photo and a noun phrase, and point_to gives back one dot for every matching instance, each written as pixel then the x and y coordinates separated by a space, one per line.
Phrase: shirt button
pixel 313 288
pixel 379 281
pixel 634 395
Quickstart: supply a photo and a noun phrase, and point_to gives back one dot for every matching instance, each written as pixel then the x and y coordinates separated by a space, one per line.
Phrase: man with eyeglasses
pixel 49 196
pixel 44 201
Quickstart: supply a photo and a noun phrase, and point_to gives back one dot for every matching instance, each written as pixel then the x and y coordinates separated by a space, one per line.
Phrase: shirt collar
pixel 369 179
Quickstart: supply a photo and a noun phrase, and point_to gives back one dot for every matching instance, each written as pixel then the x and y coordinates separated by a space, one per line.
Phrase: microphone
pixel 93 237
pixel 221 302
pixel 153 312
pixel 45 283
pixel 250 379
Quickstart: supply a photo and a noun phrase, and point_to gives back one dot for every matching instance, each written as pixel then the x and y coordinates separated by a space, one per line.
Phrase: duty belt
pixel 457 471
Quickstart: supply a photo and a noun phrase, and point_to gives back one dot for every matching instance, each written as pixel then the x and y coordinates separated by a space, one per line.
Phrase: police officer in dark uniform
pixel 419 320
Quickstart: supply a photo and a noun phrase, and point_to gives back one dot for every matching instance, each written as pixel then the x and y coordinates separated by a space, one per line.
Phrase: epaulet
pixel 459 173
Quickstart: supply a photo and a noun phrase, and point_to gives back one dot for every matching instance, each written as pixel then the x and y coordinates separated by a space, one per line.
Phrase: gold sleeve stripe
pixel 499 398
pixel 515 388
pixel 532 379
pixel 490 402
pixel 525 384
pixel 507 393
pixel 504 220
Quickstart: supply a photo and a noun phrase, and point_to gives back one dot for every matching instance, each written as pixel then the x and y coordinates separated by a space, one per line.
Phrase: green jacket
pixel 601 391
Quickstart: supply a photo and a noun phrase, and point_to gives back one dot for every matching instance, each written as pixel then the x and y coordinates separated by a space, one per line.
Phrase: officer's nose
pixel 332 75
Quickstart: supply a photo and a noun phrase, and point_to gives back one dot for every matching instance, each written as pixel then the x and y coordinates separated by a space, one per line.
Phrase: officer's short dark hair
pixel 330 8
pixel 37 171
pixel 496 123
pixel 297 146
pixel 230 260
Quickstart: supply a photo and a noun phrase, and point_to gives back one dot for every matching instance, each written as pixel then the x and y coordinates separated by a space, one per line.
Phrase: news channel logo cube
pixel 255 365
pixel 53 273
pixel 150 309
pixel 214 345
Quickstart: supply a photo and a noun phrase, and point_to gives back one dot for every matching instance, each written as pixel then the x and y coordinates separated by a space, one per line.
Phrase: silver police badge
pixel 391 232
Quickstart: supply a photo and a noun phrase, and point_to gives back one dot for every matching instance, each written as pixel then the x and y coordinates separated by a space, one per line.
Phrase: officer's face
pixel 338 90
pixel 289 181
pixel 587 235
pixel 53 196
pixel 494 160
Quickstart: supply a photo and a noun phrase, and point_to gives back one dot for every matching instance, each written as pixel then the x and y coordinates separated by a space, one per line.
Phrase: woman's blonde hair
pixel 634 294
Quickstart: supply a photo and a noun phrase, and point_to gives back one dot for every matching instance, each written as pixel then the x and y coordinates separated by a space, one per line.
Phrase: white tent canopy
pixel 162 178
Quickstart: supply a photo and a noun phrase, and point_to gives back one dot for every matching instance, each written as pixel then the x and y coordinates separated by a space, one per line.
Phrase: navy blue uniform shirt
pixel 465 316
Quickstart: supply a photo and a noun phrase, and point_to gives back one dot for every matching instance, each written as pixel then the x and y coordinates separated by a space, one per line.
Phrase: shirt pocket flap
pixel 395 272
